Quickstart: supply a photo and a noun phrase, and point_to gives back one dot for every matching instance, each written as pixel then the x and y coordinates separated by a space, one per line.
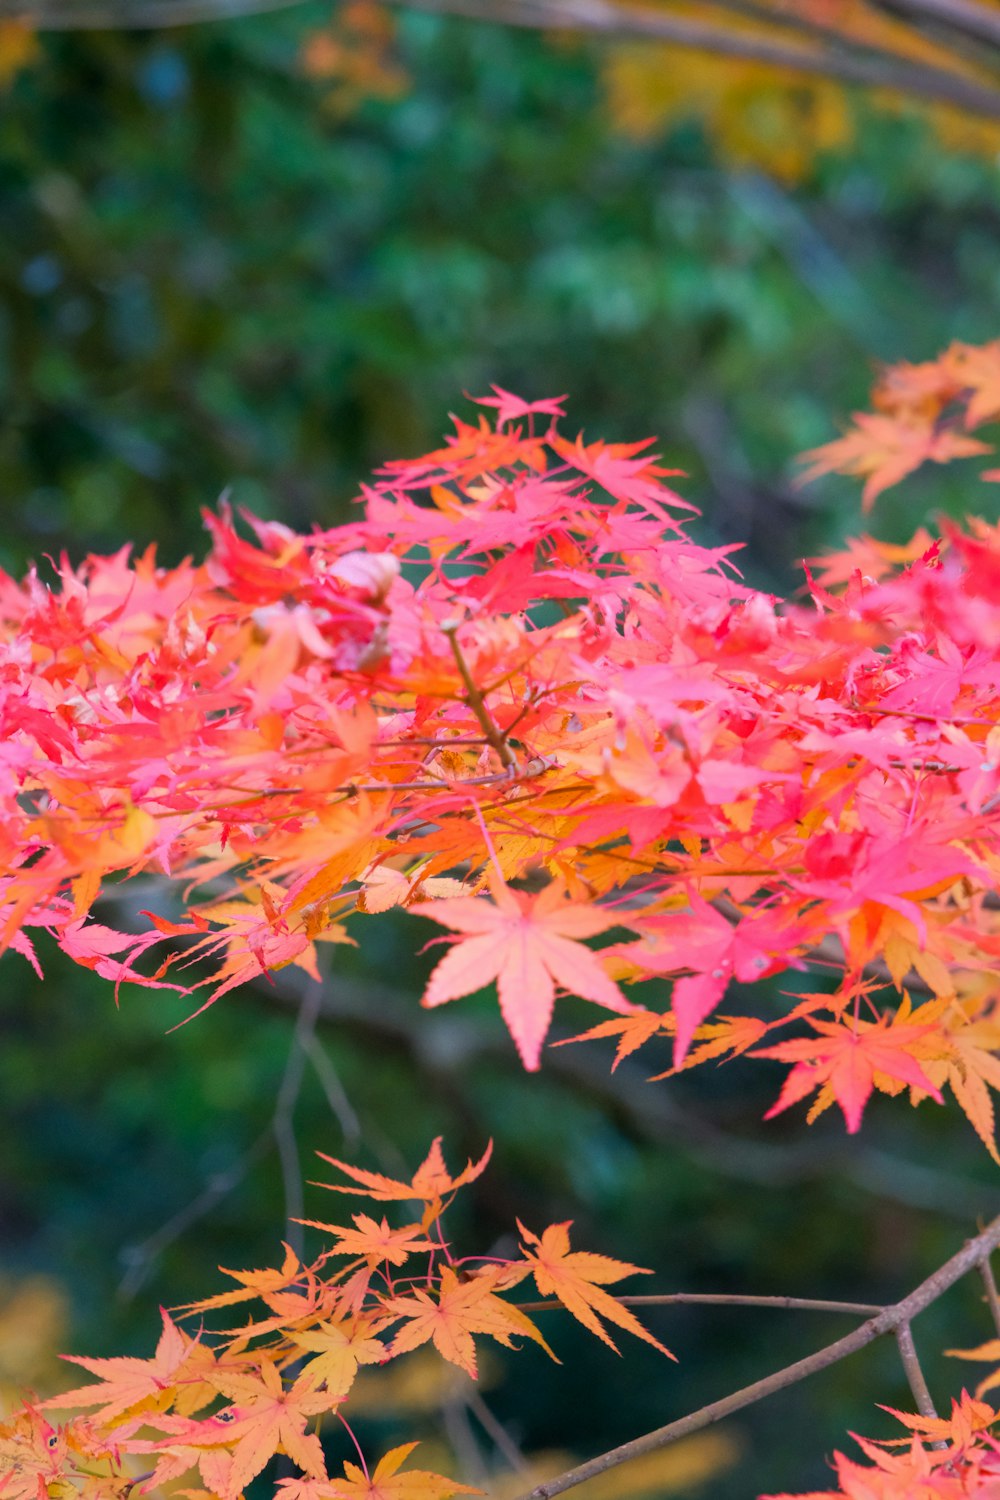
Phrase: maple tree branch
pixel 871 67
pixel 341 1107
pixel 837 56
pixel 721 1299
pixel 147 15
pixel 914 1372
pixel 279 1132
pixel 376 1011
pixel 283 1119
pixel 494 1429
pixel 966 17
pixel 992 1298
pixel 474 699
pixel 890 1320
pixel 139 1259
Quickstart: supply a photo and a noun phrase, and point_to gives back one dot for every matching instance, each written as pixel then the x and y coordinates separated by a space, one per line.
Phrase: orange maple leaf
pixel 968 1416
pixel 847 1058
pixel 266 1418
pixel 432 1181
pixel 129 1385
pixel 389 1483
pixel 377 1242
pixel 461 1309
pixel 576 1277
pixel 384 887
pixel 263 1283
pixel 339 1349
pixel 528 944
pixel 885 449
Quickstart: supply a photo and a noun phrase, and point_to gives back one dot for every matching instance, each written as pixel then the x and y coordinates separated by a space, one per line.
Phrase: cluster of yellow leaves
pixel 18 49
pixel 225 1404
pixel 771 114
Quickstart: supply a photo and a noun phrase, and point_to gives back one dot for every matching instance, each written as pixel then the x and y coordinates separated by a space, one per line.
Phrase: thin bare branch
pixel 476 702
pixel 965 17
pixel 841 58
pixel 140 1259
pixel 723 1299
pixel 914 1371
pixel 132 15
pixel 283 1120
pixel 992 1298
pixel 889 1320
pixel 874 69
pixel 336 1095
pixel 502 1440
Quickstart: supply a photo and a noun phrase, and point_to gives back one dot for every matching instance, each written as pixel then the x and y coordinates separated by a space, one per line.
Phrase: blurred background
pixel 264 256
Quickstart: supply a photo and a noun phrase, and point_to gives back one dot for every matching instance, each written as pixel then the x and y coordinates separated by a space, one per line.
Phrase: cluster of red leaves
pixel 220 1406
pixel 516 698
pixel 954 1458
pixel 923 413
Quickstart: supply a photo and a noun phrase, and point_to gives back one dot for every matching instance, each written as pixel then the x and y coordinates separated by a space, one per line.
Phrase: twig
pixel 444 1045
pixel 462 1439
pixel 336 1095
pixel 989 1281
pixel 279 1132
pixel 914 1373
pixel 609 20
pixel 724 1299
pixel 132 15
pixel 965 17
pixel 475 701
pixel 140 1258
pixel 283 1120
pixel 502 1440
pixel 889 1320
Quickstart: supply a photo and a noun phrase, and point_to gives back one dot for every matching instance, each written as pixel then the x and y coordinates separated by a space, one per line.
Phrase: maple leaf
pixel 377 1242
pixel 266 1418
pixel 632 1031
pixel 262 1284
pixel 528 944
pixel 968 1416
pixel 887 448
pixel 32 1455
pixel 339 1349
pixel 390 1481
pixel 432 1182
pixel 460 1309
pixel 576 1278
pixel 848 1059
pixel 128 1385
pixel 384 887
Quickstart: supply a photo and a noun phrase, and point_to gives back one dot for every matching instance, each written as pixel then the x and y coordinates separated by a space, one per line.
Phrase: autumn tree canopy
pixel 766 76
pixel 516 698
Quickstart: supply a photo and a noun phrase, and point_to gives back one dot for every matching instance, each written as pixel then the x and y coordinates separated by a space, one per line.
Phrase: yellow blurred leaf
pixel 18 48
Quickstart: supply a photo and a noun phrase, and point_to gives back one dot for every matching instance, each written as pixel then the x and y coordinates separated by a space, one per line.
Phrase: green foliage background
pixel 210 280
